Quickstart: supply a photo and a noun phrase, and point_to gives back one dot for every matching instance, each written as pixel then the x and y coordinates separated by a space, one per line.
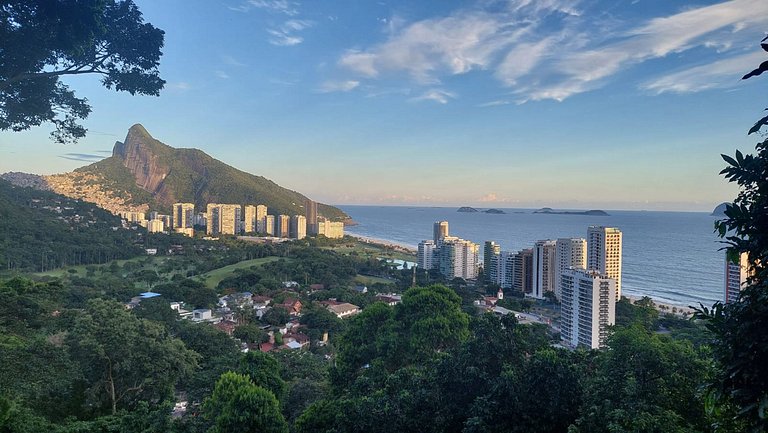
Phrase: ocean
pixel 673 257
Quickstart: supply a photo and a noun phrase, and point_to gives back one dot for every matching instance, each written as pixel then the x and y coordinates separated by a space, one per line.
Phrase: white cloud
pixel 223 75
pixel 231 61
pixel 181 86
pixel 338 86
pixel 720 74
pixel 437 95
pixel 495 103
pixel 280 6
pixel 552 49
pixel 488 198
pixel 285 35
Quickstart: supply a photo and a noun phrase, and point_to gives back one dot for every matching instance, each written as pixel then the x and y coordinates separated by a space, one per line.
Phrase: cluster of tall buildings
pixel 452 256
pixel 583 274
pixel 234 219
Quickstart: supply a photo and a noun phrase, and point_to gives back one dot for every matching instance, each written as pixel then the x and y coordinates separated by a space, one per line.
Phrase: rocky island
pixel 593 212
pixel 467 209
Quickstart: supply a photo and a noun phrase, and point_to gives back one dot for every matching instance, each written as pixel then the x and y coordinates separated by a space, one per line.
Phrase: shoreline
pixel 658 304
pixel 383 242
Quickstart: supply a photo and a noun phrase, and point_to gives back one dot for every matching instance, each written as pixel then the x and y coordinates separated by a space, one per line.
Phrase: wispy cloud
pixel 338 86
pixel 278 6
pixel 287 33
pixel 495 103
pixel 720 74
pixel 85 157
pixel 223 75
pixel 181 86
pixel 437 95
pixel 231 61
pixel 554 49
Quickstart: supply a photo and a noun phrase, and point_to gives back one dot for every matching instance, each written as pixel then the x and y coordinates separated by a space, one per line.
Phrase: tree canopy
pixel 42 41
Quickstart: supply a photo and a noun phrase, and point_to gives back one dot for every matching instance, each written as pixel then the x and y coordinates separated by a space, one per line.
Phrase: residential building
pixel 544 268
pixel 298 227
pixel 604 253
pixel 426 255
pixel 249 219
pixel 570 253
pixel 736 276
pixel 155 226
pixel 439 232
pixel 330 229
pixel 523 277
pixel 310 207
pixel 283 226
pixel 261 218
pixel 223 219
pixel 490 250
pixel 504 265
pixel 183 216
pixel 343 309
pixel 269 225
pixel 587 308
pixel 458 258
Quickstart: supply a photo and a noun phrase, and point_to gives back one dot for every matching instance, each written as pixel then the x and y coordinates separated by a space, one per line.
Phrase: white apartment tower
pixel 604 253
pixel 183 215
pixel 249 219
pixel 269 225
pixel 458 258
pixel 426 255
pixel 439 232
pixel 587 307
pixel 505 265
pixel 261 218
pixel 736 277
pixel 570 253
pixel 223 219
pixel 298 227
pixel 544 268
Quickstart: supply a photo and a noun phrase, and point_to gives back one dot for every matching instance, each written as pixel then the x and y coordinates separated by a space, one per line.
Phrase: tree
pixel 42 41
pixel 741 340
pixel 126 359
pixel 264 371
pixel 238 405
pixel 251 333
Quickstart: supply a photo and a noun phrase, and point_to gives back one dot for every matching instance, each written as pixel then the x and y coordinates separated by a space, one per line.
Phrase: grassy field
pixel 214 277
pixel 369 281
pixel 372 250
pixel 80 271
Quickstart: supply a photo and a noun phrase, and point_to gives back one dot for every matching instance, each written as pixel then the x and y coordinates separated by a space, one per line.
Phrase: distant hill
pixel 720 209
pixel 41 230
pixel 593 212
pixel 467 209
pixel 143 172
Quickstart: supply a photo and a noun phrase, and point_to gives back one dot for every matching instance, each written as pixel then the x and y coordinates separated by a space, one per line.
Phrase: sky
pixel 514 103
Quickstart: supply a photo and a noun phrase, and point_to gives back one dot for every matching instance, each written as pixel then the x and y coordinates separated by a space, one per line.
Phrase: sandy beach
pixel 662 306
pixel 389 244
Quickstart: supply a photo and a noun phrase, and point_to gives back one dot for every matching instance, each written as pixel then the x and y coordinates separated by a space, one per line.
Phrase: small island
pixel 720 210
pixel 593 212
pixel 494 211
pixel 467 209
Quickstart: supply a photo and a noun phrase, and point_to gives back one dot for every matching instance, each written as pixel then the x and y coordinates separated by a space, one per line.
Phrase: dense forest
pixel 41 230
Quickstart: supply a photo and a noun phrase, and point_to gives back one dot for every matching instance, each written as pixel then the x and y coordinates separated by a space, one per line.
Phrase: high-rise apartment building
pixel 458 258
pixel 330 229
pixel 604 253
pixel 490 251
pixel 523 277
pixel 544 268
pixel 283 226
pixel 298 227
pixel 736 277
pixel 570 253
pixel 155 226
pixel 183 215
pixel 439 232
pixel 426 255
pixel 505 270
pixel 587 307
pixel 261 218
pixel 269 225
pixel 310 207
pixel 223 219
pixel 249 219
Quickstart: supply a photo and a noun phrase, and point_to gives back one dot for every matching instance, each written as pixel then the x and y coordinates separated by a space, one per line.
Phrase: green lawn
pixel 214 277
pixel 369 281
pixel 372 250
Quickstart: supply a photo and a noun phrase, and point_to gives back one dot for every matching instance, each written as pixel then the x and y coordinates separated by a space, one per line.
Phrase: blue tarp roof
pixel 147 295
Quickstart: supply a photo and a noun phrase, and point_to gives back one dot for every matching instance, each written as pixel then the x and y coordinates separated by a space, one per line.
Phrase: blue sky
pixel 521 103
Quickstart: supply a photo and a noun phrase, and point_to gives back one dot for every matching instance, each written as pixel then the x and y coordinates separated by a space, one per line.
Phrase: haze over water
pixel 673 257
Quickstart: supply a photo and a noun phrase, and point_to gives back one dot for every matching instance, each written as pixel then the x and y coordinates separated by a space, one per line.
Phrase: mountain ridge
pixel 146 172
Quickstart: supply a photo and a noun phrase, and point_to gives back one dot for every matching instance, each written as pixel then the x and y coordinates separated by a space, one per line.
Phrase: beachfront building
pixel 269 225
pixel 458 258
pixel 604 253
pixel 426 255
pixel 310 207
pixel 439 232
pixel 330 229
pixel 223 219
pixel 544 268
pixel 283 226
pixel 736 276
pixel 587 307
pixel 569 253
pixel 298 227
pixel 505 270
pixel 491 250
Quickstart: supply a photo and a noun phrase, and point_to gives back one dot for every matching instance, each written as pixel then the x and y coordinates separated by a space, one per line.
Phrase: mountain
pixel 720 209
pixel 145 173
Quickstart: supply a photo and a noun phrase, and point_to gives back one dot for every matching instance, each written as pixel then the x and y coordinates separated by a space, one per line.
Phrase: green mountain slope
pixel 41 230
pixel 154 173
